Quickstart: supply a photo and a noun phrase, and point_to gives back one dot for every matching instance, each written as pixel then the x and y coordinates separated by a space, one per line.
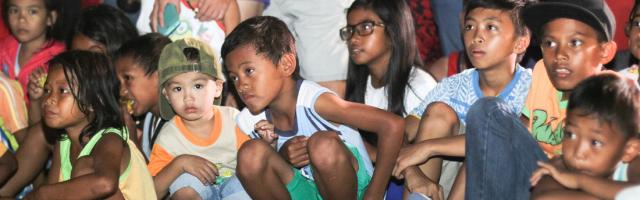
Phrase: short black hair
pixel 107 25
pixel 268 35
pixel 514 7
pixel 144 50
pixel 611 98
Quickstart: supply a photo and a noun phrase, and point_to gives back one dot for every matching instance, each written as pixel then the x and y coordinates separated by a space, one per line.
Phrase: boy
pixel 601 142
pixel 576 39
pixel 136 64
pixel 197 148
pixel 260 58
pixel 495 38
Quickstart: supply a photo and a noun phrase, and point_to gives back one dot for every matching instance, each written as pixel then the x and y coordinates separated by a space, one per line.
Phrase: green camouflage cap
pixel 186 55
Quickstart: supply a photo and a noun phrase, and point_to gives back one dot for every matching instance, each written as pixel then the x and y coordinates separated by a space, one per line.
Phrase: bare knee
pixel 326 150
pixel 252 158
pixel 186 193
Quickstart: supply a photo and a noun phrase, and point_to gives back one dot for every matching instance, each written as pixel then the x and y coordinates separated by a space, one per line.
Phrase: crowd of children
pixel 90 108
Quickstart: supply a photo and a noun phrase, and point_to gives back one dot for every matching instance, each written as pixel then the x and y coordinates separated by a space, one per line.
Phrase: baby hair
pixel 145 50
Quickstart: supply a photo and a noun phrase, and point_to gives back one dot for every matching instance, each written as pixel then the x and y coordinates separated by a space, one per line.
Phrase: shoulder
pixel 421 79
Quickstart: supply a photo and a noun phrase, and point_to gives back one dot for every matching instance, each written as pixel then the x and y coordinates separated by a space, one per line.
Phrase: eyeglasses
pixel 363 29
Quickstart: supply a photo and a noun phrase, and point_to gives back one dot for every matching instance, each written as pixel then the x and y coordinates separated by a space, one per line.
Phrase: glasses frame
pixel 346 33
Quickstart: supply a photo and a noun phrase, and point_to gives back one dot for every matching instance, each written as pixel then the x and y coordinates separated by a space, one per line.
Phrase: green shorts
pixel 301 187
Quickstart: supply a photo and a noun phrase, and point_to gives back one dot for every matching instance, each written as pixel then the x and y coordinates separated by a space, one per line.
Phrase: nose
pixel 478 37
pixel 561 54
pixel 123 91
pixel 581 151
pixel 242 86
pixel 48 100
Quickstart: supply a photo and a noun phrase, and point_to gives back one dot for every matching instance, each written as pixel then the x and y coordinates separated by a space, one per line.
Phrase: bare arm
pixel 102 183
pixel 31 160
pixel 197 166
pixel 231 17
pixel 8 165
pixel 387 126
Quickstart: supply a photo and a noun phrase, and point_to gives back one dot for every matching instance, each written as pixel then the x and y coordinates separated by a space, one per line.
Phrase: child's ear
pixel 288 64
pixel 219 87
pixel 631 150
pixel 53 16
pixel 164 93
pixel 522 43
pixel 608 51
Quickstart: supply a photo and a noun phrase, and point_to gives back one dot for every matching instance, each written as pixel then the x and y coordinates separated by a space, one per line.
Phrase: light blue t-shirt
pixel 462 90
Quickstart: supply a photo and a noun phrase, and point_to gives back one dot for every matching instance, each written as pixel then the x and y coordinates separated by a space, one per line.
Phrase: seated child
pixel 195 152
pixel 93 159
pixel 136 64
pixel 600 144
pixel 260 58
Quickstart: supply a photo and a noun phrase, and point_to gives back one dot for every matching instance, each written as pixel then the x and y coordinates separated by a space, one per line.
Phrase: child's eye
pixel 46 90
pixel 492 27
pixel 575 43
pixel 569 135
pixel 468 27
pixel 548 44
pixel 13 10
pixel 33 11
pixel 596 143
pixel 177 89
pixel 249 71
pixel 635 24
pixel 64 90
pixel 198 86
pixel 233 78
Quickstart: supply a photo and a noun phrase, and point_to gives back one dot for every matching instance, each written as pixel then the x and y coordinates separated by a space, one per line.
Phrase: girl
pixel 102 29
pixel 81 97
pixel 385 65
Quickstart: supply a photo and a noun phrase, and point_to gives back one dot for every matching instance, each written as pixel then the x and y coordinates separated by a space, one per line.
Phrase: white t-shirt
pixel 419 85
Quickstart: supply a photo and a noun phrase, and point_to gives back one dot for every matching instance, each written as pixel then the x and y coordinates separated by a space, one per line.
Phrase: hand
pixel 419 183
pixel 199 167
pixel 36 84
pixel 157 15
pixel 565 178
pixel 212 9
pixel 410 156
pixel 295 152
pixel 266 131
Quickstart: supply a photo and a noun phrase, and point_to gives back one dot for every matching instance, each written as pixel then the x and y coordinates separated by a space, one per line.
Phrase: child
pixel 495 38
pixel 95 151
pixel 601 142
pixel 136 64
pixel 576 39
pixel 260 57
pixel 628 60
pixel 197 148
pixel 102 29
pixel 385 65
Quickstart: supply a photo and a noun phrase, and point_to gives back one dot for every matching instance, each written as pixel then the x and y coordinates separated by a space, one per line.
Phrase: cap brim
pixel 166 112
pixel 537 15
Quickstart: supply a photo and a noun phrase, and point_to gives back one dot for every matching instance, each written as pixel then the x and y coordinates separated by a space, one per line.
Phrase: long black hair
pixel 94 86
pixel 400 31
pixel 107 25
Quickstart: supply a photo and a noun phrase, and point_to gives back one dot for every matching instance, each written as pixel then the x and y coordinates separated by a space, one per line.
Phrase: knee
pixel 186 193
pixel 251 157
pixel 326 150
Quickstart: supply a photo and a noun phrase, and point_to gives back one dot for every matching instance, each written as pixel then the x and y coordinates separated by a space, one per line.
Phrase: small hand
pixel 157 15
pixel 266 131
pixel 410 156
pixel 212 9
pixel 199 167
pixel 36 83
pixel 565 178
pixel 294 150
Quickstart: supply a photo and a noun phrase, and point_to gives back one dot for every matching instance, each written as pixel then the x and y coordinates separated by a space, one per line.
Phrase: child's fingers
pixel 548 167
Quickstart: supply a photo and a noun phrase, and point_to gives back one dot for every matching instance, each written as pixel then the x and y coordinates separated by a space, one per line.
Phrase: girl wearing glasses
pixel 385 66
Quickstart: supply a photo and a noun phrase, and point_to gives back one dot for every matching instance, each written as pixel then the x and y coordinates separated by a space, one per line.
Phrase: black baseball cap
pixel 595 13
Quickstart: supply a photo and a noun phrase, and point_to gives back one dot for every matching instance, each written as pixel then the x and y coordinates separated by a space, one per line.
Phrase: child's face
pixel 571 52
pixel 256 78
pixel 28 19
pixel 191 94
pixel 591 146
pixel 371 48
pixel 59 106
pixel 135 86
pixel 82 42
pixel 490 38
pixel 634 35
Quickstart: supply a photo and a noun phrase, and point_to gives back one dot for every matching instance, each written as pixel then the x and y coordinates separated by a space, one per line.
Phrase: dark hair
pixel 611 98
pixel 144 50
pixel 400 31
pixel 268 35
pixel 107 25
pixel 67 11
pixel 94 86
pixel 514 7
